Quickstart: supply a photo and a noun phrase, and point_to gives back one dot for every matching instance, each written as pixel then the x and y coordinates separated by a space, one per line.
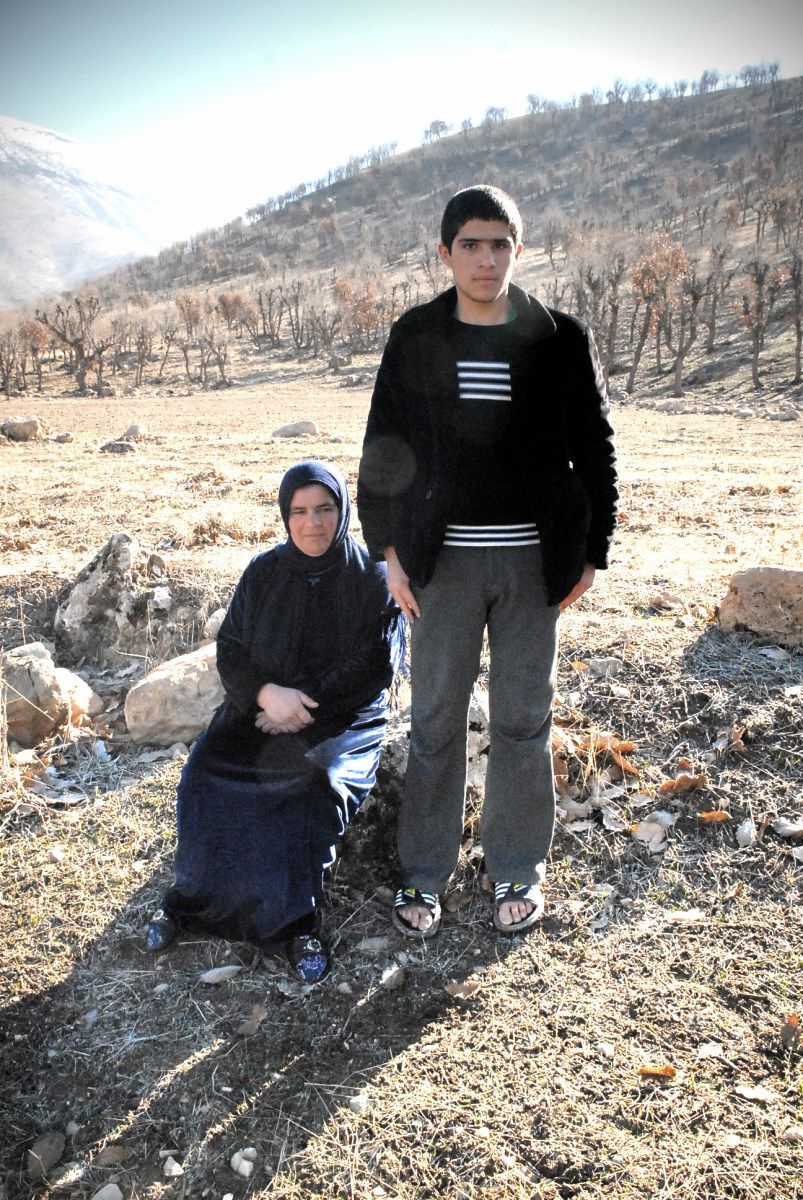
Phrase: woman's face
pixel 313 519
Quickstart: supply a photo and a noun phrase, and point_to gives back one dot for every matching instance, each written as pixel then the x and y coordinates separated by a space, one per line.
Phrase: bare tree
pixel 654 279
pixel 75 324
pixel 759 293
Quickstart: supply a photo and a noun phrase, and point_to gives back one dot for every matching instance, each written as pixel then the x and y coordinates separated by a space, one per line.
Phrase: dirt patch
pixel 529 1079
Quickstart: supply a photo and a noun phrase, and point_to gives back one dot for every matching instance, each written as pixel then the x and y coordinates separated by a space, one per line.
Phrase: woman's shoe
pixel 162 932
pixel 308 957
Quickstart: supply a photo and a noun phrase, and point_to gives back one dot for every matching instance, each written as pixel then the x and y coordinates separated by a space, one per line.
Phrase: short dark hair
pixel 480 203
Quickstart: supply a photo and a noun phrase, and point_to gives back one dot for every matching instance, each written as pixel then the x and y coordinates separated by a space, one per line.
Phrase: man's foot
pixel 416 914
pixel 517 906
pixel 162 932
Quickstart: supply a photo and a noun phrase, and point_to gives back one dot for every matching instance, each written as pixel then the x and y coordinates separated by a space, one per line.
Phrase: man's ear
pixel 519 249
pixel 445 255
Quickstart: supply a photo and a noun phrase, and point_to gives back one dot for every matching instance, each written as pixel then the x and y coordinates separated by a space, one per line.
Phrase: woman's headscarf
pixel 302 475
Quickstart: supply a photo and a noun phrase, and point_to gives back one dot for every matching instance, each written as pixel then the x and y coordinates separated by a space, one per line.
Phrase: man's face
pixel 481 260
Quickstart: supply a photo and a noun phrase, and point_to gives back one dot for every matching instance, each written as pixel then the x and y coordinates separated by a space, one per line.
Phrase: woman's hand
pixel 283 709
pixel 399 585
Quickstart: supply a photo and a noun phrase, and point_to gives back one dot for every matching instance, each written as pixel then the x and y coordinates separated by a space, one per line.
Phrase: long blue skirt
pixel 254 838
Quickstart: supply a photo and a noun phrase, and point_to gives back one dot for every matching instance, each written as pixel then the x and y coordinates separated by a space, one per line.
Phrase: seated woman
pixel 306 653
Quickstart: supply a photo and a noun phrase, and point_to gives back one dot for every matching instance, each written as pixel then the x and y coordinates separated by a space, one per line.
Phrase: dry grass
pixel 526 1084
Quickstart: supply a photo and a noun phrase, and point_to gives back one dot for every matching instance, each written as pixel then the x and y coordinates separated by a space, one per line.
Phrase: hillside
pixel 671 225
pixel 63 216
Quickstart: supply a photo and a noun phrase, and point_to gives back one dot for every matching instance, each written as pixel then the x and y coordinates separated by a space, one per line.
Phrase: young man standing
pixel 488 483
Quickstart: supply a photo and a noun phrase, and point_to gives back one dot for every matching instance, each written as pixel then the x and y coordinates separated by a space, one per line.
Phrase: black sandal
pixel 410 896
pixel 505 893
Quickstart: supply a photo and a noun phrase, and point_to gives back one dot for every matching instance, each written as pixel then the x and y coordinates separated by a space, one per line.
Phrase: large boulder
pixel 767 601
pixel 120 605
pixel 39 697
pixel 23 429
pixel 175 701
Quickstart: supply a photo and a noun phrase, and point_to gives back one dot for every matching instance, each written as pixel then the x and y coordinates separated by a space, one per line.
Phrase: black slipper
pixel 411 896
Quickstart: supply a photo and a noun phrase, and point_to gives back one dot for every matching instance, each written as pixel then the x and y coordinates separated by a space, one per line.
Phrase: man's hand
pixel 399 585
pixel 283 709
pixel 583 584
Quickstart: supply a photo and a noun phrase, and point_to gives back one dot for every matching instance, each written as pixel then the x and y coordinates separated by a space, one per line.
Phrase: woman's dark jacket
pixel 565 449
pixel 328 634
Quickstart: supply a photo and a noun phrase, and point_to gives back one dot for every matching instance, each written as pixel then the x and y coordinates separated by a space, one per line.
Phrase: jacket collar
pixel 533 320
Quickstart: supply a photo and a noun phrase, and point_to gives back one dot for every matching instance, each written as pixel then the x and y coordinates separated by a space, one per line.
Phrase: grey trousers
pixel 503 589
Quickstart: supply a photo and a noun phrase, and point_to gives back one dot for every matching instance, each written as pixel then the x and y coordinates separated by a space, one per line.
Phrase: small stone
pixel 109 1192
pixel 172 1169
pixel 118 448
pixel 242 1161
pixel 56 854
pixel 297 429
pixel 45 1153
pixel 360 1104
pixel 72 1128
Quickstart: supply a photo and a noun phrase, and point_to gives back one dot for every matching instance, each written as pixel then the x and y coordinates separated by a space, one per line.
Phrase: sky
pixel 214 106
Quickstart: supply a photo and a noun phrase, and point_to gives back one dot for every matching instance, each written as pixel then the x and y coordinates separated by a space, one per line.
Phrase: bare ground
pixel 526 1079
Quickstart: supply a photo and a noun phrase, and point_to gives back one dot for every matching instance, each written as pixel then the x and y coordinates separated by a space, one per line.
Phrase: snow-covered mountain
pixel 62 216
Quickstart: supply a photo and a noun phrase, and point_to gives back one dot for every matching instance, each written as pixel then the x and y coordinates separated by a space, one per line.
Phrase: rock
pixel 39 696
pixel 603 668
pixel 45 1153
pixel 63 437
pixel 767 601
pixel 360 1104
pixel 161 599
pixel 23 429
pixel 118 448
pixel 172 1169
pixel 297 429
pixel 135 433
pixel 212 624
pixel 175 701
pixel 108 610
pixel 242 1161
pixel 788 413
pixel 338 361
pixel 109 1192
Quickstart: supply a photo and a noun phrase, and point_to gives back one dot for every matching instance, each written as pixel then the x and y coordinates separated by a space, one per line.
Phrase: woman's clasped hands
pixel 283 709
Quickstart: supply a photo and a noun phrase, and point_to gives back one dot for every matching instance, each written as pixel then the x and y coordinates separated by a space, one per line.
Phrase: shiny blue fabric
pixel 255 838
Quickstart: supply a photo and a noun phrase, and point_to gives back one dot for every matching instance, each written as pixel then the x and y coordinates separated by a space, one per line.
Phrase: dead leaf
pixel 656 1072
pixel 788 829
pixel 746 833
pixel 714 817
pixel 219 974
pixel 579 665
pixel 45 1153
pixel 684 783
pixel 621 762
pixel 458 899
pixel 791 1033
pixel 374 945
pixel 392 978
pixel 463 991
pixel 759 1092
pixel 112 1156
pixel 251 1024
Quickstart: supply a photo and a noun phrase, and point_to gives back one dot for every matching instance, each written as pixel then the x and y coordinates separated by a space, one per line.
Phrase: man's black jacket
pixel 565 452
